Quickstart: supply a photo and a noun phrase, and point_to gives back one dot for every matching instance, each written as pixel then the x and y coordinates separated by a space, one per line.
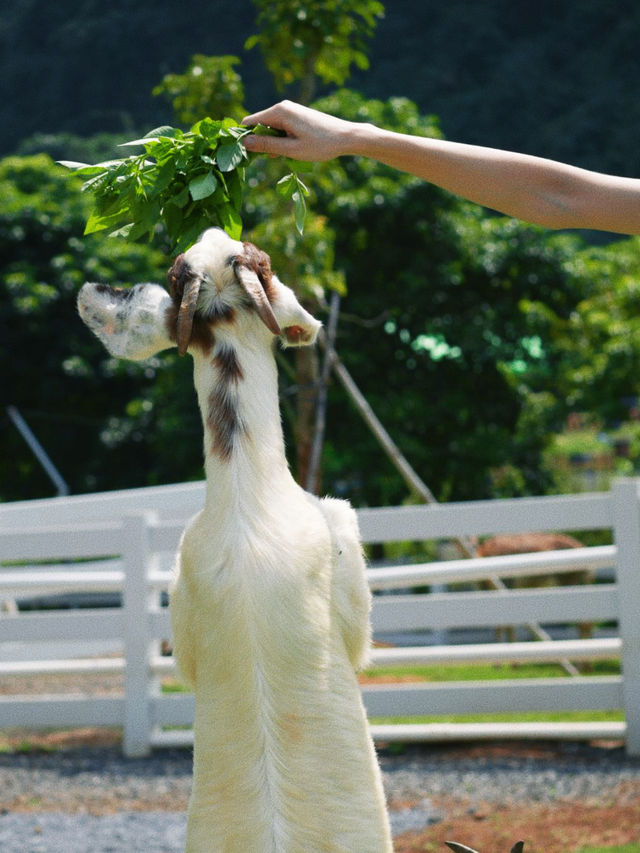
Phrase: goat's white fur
pixel 269 604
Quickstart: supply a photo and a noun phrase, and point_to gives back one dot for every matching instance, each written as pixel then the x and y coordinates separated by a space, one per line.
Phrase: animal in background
pixel 525 543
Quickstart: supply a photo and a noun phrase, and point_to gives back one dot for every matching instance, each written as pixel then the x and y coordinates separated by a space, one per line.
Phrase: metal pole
pixel 38 450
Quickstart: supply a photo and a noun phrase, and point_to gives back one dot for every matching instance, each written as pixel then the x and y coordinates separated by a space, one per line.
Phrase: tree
pixel 597 346
pixel 305 42
pixel 209 87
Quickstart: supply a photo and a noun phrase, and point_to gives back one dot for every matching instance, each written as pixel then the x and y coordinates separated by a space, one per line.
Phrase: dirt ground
pixel 558 828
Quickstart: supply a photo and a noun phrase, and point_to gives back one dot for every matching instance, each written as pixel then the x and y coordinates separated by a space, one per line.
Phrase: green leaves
pixel 230 156
pixel 203 186
pixel 292 186
pixel 185 181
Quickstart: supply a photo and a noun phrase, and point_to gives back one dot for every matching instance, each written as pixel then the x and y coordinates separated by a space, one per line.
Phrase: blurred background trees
pixel 501 358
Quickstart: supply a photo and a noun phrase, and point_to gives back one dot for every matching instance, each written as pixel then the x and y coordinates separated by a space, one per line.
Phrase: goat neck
pixel 237 387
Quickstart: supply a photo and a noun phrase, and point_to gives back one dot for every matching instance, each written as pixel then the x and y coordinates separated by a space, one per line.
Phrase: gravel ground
pixel 92 800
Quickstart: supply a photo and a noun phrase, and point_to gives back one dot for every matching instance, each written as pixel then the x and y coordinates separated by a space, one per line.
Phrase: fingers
pixel 275 116
pixel 274 146
pixel 310 135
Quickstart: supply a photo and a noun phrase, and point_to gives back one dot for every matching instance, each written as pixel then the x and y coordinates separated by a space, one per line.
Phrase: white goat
pixel 270 605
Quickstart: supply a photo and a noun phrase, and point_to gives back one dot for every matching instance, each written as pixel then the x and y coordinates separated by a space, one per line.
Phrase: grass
pixel 489 672
pixel 522 717
pixel 486 672
pixel 23 747
pixel 624 848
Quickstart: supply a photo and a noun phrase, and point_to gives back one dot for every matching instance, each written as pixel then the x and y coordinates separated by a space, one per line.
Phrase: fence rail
pixel 122 543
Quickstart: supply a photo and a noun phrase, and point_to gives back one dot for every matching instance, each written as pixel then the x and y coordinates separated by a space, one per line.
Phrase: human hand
pixel 310 134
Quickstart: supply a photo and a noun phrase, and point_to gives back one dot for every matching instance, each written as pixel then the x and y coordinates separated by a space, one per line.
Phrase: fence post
pixel 626 525
pixel 137 684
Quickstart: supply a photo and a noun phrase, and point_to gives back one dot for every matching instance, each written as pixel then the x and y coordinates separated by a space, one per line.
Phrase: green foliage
pixel 292 187
pixel 60 146
pixel 210 86
pixel 599 343
pixel 302 39
pixel 188 181
pixel 54 371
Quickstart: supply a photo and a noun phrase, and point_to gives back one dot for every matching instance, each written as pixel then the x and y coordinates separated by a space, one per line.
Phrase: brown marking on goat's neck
pixel 255 259
pixel 222 417
pixel 227 363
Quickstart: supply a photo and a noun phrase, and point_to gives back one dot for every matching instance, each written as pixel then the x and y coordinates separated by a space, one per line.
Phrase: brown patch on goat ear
pixel 176 277
pixel 184 326
pixel 260 263
pixel 184 286
pixel 202 336
pixel 253 272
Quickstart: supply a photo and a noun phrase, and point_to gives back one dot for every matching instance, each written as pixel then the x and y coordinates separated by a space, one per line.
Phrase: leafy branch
pixel 186 180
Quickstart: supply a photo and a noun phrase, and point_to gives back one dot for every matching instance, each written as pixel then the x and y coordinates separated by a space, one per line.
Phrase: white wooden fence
pixel 122 543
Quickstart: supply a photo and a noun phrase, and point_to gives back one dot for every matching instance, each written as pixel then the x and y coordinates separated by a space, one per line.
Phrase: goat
pixel 269 602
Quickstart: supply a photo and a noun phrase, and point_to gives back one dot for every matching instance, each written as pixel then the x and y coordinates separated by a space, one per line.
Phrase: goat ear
pixel 186 313
pixel 299 327
pixel 299 335
pixel 252 286
pixel 131 323
pixel 184 285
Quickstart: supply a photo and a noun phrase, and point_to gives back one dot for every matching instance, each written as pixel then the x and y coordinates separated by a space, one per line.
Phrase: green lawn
pixel 625 848
pixel 488 672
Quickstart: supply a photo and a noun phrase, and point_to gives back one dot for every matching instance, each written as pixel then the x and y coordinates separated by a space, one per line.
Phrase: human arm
pixel 534 189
